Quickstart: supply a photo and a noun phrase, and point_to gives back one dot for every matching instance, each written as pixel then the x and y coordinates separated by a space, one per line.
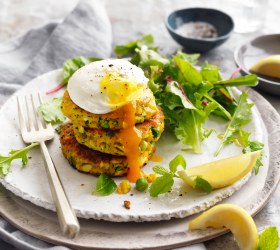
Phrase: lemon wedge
pixel 269 66
pixel 234 218
pixel 222 173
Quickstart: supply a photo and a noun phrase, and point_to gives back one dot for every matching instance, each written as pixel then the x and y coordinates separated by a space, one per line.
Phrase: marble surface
pixel 133 18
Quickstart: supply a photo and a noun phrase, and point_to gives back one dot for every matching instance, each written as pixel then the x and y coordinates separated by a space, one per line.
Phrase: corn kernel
pixel 124 187
pixel 151 177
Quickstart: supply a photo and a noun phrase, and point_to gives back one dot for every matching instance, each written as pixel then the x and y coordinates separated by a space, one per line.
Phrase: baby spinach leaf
pixel 72 65
pixel 105 185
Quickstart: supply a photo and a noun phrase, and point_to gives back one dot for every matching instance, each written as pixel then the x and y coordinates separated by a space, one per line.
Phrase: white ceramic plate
pixel 30 183
pixel 170 234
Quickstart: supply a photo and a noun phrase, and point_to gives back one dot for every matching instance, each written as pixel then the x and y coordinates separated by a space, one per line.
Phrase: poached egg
pixel 104 86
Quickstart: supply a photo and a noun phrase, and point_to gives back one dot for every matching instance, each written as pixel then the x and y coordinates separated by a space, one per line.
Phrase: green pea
pixel 155 132
pixel 103 123
pixel 143 145
pixel 142 184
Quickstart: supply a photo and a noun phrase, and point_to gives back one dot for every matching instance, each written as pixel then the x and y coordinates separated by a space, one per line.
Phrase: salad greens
pixel 129 48
pixel 51 111
pixel 5 161
pixel 188 95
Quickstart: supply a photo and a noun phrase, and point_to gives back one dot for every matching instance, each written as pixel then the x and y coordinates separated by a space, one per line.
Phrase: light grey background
pixel 131 19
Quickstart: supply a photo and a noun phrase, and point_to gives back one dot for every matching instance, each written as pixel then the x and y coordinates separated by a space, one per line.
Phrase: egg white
pixel 85 90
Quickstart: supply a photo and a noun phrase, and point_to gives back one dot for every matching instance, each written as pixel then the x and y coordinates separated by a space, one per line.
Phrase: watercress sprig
pixel 5 161
pixel 165 182
pixel 240 118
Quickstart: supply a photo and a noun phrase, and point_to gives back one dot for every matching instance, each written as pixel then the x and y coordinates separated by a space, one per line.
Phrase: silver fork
pixel 35 130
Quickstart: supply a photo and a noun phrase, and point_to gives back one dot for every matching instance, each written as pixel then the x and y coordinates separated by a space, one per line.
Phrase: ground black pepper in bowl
pixel 197 30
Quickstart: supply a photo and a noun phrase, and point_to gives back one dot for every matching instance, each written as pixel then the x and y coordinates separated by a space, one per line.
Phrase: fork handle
pixel 66 216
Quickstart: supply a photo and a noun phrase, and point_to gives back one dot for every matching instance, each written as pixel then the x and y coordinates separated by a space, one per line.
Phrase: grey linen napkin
pixel 84 32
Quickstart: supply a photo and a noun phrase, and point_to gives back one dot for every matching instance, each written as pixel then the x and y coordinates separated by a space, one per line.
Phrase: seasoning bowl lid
pixel 222 22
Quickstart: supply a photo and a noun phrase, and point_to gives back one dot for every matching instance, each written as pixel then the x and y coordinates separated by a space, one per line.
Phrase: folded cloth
pixel 84 32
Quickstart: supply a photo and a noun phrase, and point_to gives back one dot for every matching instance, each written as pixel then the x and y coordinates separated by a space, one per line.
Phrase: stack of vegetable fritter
pixel 95 143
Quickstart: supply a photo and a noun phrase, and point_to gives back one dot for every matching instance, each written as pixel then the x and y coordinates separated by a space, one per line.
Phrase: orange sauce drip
pixel 131 139
pixel 156 158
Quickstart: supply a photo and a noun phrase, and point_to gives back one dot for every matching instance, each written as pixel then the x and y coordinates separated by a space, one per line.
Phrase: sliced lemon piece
pixel 223 172
pixel 269 66
pixel 233 217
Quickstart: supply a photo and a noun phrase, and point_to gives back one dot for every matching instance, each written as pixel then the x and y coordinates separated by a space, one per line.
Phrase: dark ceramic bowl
pixel 221 21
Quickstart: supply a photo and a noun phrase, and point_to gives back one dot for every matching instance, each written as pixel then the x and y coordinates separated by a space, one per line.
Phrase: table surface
pixel 132 19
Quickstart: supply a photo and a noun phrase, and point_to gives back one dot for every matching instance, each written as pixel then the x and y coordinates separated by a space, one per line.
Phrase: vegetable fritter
pixel 145 109
pixel 94 162
pixel 108 141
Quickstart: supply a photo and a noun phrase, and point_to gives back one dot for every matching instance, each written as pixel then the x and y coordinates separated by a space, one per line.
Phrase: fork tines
pixel 33 120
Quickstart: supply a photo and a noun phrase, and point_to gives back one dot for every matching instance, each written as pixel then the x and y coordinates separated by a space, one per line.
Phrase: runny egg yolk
pixel 131 139
pixel 118 90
